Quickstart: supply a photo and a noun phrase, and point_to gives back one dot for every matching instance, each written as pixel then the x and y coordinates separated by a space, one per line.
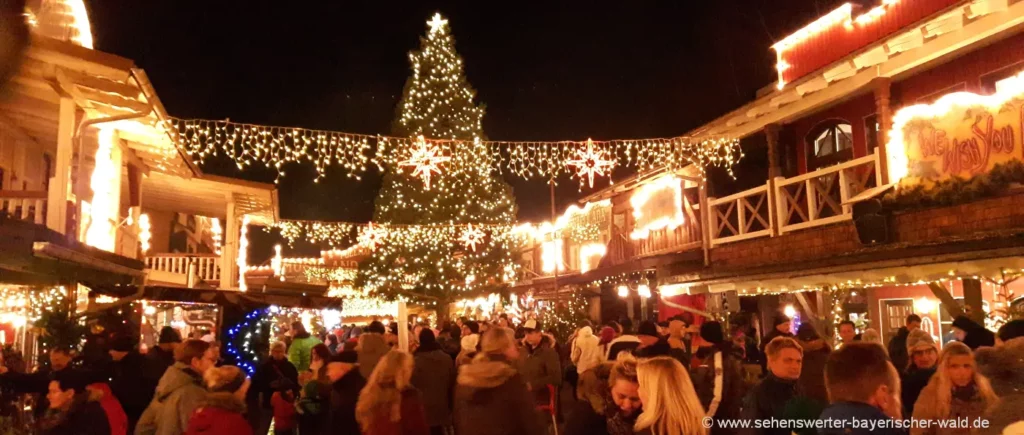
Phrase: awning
pixel 247 300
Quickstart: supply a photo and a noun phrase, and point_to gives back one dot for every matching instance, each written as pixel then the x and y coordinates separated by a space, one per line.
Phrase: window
pixel 991 82
pixel 871 128
pixel 830 143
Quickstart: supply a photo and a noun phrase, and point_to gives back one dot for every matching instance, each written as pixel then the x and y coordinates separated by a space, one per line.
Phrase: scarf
pixel 965 393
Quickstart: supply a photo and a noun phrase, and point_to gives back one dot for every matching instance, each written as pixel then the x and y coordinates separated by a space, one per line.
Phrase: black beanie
pixel 122 343
pixel 711 332
pixel 169 335
pixel 648 327
pixel 780 319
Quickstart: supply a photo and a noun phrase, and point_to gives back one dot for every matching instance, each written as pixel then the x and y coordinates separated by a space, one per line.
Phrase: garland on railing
pixel 958 190
pixel 273 147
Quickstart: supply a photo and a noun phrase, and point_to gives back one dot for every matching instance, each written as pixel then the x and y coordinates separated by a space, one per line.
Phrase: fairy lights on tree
pixel 418 256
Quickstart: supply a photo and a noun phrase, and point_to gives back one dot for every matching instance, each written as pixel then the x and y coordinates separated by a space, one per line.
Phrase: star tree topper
pixel 372 236
pixel 471 236
pixel 437 23
pixel 590 162
pixel 426 159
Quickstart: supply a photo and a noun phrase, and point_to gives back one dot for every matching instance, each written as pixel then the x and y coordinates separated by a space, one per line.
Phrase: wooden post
pixel 883 110
pixel 403 326
pixel 57 197
pixel 709 226
pixel 972 299
pixel 229 251
pixel 948 303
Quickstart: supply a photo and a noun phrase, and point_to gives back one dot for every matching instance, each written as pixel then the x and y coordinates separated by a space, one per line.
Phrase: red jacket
pixel 412 418
pixel 219 414
pixel 116 417
pixel 284 412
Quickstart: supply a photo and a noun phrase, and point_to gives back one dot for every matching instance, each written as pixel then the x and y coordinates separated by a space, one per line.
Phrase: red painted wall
pixel 963 73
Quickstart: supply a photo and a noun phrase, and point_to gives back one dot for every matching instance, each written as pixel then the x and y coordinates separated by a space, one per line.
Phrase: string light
pixel 240 337
pixel 243 252
pixel 551 256
pixel 145 232
pixel 426 160
pixel 590 162
pixel 217 234
pixel 650 202
pixel 590 255
pixel 371 236
pixel 100 233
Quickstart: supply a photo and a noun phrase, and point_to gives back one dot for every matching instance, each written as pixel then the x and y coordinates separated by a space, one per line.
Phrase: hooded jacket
pixel 85 416
pixel 219 414
pixel 540 366
pixel 898 349
pixel 434 375
pixel 116 416
pixel 1004 368
pixel 178 394
pixel 299 351
pixel 586 353
pixel 131 385
pixel 491 399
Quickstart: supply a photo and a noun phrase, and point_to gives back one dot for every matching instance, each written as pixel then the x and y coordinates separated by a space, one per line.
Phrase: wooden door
pixel 894 316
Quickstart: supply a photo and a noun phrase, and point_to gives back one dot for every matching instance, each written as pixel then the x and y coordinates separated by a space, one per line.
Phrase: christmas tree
pixel 428 262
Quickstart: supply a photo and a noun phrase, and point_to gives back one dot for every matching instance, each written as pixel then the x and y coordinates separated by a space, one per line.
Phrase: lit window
pixel 833 139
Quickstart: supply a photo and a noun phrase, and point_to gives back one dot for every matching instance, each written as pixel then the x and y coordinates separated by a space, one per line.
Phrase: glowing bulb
pixel 623 291
pixel 789 311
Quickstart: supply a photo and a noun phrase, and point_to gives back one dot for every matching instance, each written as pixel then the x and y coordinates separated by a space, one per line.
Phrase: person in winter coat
pixel 469 345
pixel 1004 367
pixel 179 392
pixel 159 358
pixel 302 343
pixel 128 380
pixel 346 384
pixel 491 397
pixel 956 391
pixel 923 355
pixel 539 363
pixel 116 417
pixel 371 348
pixel 769 398
pixel 434 376
pixel 585 352
pixel 972 334
pixel 671 406
pixel 719 364
pixel 609 400
pixel 389 404
pixel 898 344
pixel 222 411
pixel 625 342
pixel 812 371
pixel 780 328
pixel 276 374
pixel 73 410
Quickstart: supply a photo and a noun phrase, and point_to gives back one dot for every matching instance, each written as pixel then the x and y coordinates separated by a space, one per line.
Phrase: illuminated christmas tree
pixel 444 179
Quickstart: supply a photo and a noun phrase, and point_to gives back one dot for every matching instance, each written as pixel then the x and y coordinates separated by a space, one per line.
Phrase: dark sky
pixel 547 70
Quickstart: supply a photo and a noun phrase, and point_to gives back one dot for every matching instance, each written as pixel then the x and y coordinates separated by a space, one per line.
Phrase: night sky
pixel 546 70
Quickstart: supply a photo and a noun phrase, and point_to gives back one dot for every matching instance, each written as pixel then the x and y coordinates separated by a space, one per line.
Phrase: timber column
pixel 883 110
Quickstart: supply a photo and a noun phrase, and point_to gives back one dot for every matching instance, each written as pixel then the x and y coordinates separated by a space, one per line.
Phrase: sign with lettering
pixel 961 135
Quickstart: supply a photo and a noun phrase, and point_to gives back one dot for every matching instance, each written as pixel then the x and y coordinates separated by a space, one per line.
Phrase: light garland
pixel 243 252
pixel 100 233
pixel 371 236
pixel 276 262
pixel 551 256
pixel 145 232
pixel 217 234
pixel 590 162
pixel 245 332
pixel 426 160
pixel 665 191
pixel 590 255
pixel 896 151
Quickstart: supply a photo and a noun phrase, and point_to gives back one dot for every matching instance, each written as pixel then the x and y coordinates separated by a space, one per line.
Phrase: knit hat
pixel 920 340
pixel 780 319
pixel 607 334
pixel 648 328
pixel 711 332
pixel 469 342
pixel 169 335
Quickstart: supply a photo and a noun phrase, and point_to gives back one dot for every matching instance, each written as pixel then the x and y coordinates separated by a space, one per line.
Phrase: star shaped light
pixel 437 23
pixel 471 236
pixel 590 162
pixel 371 236
pixel 426 159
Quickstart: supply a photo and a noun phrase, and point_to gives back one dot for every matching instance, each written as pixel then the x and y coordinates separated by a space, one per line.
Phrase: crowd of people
pixel 490 378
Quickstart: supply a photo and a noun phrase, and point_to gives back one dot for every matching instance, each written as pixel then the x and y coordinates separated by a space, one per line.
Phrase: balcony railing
pixel 745 215
pixel 25 205
pixel 819 197
pixel 206 266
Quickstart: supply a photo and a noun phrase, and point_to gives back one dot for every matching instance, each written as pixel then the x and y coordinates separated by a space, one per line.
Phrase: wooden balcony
pixel 820 197
pixel 24 205
pixel 178 268
pixel 623 248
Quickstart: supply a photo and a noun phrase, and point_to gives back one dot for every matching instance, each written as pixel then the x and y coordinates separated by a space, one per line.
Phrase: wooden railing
pixel 207 266
pixel 741 216
pixel 817 198
pixel 25 205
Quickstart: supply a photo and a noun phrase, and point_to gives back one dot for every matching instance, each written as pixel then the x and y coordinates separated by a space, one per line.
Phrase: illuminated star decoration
pixel 471 236
pixel 437 23
pixel 371 236
pixel 426 159
pixel 590 162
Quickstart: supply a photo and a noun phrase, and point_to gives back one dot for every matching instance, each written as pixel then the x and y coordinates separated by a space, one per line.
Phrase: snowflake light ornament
pixel 471 236
pixel 426 159
pixel 371 236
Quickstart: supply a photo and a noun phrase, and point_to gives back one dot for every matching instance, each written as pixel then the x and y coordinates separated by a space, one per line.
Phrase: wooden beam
pixel 972 300
pixel 101 84
pixel 948 303
pixel 56 214
pixel 130 156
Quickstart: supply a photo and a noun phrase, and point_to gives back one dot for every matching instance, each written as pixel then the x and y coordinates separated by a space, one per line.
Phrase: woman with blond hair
pixel 670 403
pixel 956 391
pixel 222 411
pixel 388 404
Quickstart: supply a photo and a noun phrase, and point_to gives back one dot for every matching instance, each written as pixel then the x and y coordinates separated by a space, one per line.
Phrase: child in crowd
pixel 283 403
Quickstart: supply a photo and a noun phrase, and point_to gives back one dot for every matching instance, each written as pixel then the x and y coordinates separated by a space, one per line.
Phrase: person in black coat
pixel 780 328
pixel 161 357
pixel 346 384
pixel 37 383
pixel 434 375
pixel 127 379
pixel 770 398
pixel 924 355
pixel 972 334
pixel 72 410
pixel 274 375
pixel 898 344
